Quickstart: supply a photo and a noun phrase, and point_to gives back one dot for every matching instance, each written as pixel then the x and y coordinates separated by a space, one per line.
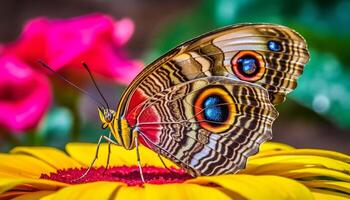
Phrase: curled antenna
pixel 42 63
pixel 95 84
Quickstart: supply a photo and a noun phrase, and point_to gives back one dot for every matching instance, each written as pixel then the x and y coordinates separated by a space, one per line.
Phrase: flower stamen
pixel 126 174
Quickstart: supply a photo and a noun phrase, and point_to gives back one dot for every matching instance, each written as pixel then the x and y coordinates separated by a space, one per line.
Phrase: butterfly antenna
pixel 96 86
pixel 42 63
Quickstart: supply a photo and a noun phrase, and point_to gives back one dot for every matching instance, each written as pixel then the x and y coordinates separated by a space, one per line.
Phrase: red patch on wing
pixel 136 111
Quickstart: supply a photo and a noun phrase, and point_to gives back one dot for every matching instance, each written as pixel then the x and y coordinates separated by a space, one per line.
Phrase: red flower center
pixel 127 174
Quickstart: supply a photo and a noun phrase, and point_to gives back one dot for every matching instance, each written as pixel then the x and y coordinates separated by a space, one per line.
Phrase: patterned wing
pixel 209 125
pixel 260 64
pixel 272 56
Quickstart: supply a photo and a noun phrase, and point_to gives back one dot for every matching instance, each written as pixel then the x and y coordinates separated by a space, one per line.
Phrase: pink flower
pixel 96 39
pixel 25 95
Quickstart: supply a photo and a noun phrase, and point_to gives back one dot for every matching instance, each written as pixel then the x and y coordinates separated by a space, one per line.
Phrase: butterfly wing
pixel 262 61
pixel 271 56
pixel 275 55
pixel 208 125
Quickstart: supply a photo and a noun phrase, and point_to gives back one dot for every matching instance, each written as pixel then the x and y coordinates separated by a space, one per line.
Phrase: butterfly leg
pixel 93 161
pixel 110 142
pixel 159 156
pixel 96 155
pixel 109 152
pixel 166 167
pixel 138 158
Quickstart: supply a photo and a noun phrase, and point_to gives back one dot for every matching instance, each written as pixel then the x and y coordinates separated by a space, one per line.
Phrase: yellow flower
pixel 277 172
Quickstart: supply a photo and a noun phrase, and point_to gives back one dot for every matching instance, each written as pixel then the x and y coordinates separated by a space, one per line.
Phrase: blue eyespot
pixel 274 45
pixel 213 111
pixel 248 65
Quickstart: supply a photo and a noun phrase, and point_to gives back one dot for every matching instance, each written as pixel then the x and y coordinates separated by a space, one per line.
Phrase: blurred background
pixel 36 108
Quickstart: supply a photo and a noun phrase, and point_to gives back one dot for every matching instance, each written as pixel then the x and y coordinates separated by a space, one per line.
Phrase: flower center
pixel 127 174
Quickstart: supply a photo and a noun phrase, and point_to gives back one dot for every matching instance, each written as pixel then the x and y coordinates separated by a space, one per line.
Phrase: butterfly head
pixel 106 116
pixel 119 127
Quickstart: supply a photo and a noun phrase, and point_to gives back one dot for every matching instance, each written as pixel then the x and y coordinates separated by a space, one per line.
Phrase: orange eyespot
pixel 248 65
pixel 214 109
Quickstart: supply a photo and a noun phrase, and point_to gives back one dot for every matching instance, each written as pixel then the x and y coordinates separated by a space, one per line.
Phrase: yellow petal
pixel 49 155
pixel 326 184
pixel 7 184
pixel 88 191
pixel 271 168
pixel 34 195
pixel 23 166
pixel 308 173
pixel 6 174
pixel 274 146
pixel 329 195
pixel 258 187
pixel 11 194
pixel 84 153
pixel 285 161
pixel 310 152
pixel 171 192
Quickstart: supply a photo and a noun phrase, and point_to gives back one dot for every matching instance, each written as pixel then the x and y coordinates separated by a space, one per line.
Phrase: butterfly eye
pixel 108 116
pixel 214 109
pixel 274 45
pixel 248 66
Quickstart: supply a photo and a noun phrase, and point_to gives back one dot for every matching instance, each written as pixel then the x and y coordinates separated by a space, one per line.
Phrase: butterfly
pixel 209 103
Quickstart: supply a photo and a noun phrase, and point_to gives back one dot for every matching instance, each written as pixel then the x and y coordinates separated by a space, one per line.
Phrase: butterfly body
pixel 209 103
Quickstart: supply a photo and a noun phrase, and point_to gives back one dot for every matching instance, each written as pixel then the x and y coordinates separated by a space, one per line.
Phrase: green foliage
pixel 55 128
